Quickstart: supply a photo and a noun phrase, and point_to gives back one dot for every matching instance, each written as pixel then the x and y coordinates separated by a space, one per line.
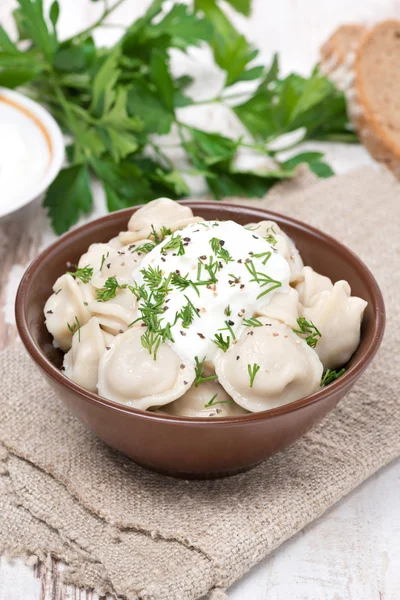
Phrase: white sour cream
pixel 234 297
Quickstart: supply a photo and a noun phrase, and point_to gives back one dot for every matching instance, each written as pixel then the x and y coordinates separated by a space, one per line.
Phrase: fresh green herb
pixel 270 237
pixel 212 269
pixel 116 104
pixel 229 328
pixel 212 403
pixel 330 376
pixel 85 274
pixel 159 236
pixel 309 330
pixel 75 327
pixel 175 243
pixel 228 311
pixel 219 251
pixel 180 282
pixel 151 342
pixel 152 276
pixel 199 372
pixel 103 260
pixel 265 255
pixel 252 270
pixel 109 290
pixel 144 248
pixel 188 313
pixel 253 370
pixel 262 279
pixel 252 322
pixel 267 280
pixel 220 342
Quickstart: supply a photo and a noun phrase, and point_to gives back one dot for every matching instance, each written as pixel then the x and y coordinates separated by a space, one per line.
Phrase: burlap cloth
pixel 122 529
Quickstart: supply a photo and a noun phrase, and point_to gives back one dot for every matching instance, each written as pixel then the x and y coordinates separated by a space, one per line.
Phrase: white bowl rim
pixel 52 132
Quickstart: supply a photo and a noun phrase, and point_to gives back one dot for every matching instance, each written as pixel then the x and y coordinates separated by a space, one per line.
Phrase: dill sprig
pixel 229 328
pixel 75 327
pixel 309 330
pixel 211 268
pixel 222 343
pixel 109 290
pixel 175 243
pixel 253 370
pixel 199 372
pixel 228 311
pixel 252 322
pixel 212 403
pixel 188 313
pixel 261 278
pixel 152 276
pixel 264 255
pixel 103 260
pixel 181 282
pixel 159 236
pixel 270 237
pixel 151 342
pixel 219 251
pixel 250 266
pixel 144 248
pixel 331 375
pixel 85 274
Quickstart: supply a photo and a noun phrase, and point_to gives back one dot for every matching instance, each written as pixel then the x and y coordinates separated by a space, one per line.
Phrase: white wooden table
pixel 353 551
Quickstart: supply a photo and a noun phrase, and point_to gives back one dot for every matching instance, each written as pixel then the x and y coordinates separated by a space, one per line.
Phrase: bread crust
pixel 372 131
pixel 342 41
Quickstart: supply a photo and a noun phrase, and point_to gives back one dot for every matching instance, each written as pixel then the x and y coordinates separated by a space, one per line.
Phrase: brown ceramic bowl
pixel 196 447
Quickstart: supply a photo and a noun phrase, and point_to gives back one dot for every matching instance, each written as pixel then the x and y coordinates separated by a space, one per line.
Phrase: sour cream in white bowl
pixel 31 150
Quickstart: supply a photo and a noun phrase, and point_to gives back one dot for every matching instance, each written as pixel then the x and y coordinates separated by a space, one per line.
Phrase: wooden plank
pixel 20 240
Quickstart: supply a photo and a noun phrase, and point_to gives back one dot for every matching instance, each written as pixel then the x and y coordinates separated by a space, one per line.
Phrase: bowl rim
pixel 344 382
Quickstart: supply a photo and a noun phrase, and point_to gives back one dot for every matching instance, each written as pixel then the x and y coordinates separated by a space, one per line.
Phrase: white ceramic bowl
pixel 31 150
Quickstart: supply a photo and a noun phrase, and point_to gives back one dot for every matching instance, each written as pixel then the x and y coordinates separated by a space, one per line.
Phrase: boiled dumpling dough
pixel 283 307
pixel 311 283
pixel 94 256
pixel 117 313
pixel 159 213
pixel 67 305
pixel 81 363
pixel 284 245
pixel 193 403
pixel 338 316
pixel 120 264
pixel 130 375
pixel 289 368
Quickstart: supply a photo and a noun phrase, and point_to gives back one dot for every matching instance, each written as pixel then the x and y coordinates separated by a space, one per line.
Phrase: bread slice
pixel 377 93
pixel 338 53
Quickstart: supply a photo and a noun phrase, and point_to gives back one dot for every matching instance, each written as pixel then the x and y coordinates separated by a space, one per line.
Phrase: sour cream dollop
pixel 232 271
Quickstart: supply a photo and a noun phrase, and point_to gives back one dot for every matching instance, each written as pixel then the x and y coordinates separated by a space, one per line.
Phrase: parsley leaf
pixel 114 103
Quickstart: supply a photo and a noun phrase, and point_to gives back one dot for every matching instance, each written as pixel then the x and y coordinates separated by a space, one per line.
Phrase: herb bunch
pixel 116 102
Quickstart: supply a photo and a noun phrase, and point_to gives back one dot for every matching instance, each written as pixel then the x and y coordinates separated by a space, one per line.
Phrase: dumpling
pixel 117 313
pixel 283 307
pixel 95 256
pixel 286 247
pixel 268 367
pixel 311 283
pixel 158 213
pixel 81 363
pixel 115 243
pixel 209 399
pixel 129 374
pixel 338 316
pixel 66 310
pixel 120 264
